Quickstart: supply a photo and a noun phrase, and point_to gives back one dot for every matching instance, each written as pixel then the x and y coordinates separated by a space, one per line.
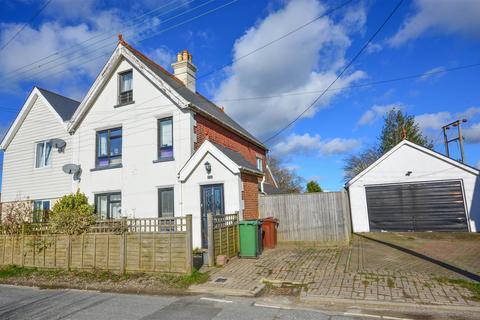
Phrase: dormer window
pixel 260 164
pixel 125 94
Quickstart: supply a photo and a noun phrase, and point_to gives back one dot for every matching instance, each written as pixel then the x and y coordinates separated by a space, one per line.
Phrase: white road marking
pixel 216 300
pixel 352 314
pixel 271 306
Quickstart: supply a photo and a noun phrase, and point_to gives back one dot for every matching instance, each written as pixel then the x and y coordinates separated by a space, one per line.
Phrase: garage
pixel 426 206
pixel 415 189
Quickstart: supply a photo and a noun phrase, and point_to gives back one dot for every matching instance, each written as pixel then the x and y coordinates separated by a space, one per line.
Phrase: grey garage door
pixel 426 206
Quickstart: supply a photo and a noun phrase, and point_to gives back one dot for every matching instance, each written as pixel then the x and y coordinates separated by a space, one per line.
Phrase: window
pixel 40 210
pixel 165 139
pixel 43 154
pixel 108 205
pixel 109 148
pixel 259 163
pixel 125 94
pixel 165 203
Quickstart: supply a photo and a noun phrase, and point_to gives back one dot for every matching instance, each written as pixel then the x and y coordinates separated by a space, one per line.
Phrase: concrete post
pixel 189 258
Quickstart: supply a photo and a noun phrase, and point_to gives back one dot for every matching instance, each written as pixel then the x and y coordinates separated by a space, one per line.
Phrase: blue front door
pixel 212 202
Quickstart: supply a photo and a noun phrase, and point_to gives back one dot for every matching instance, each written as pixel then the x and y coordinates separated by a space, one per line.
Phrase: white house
pixel 142 143
pixel 412 188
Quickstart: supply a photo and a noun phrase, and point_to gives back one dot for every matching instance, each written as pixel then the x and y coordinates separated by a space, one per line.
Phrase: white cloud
pixel 374 47
pixel 309 60
pixel 433 121
pixel 440 16
pixel 339 146
pixel 163 56
pixel 3 130
pixel 376 112
pixel 306 144
pixel 433 73
pixel 74 50
pixel 472 133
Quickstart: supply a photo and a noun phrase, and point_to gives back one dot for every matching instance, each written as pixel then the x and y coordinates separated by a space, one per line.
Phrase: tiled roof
pixel 64 106
pixel 237 158
pixel 196 99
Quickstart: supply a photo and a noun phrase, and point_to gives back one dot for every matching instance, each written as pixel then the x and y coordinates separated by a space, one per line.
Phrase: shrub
pixel 15 215
pixel 71 215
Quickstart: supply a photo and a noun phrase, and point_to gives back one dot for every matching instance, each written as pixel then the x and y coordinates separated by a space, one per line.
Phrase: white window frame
pixel 43 165
pixel 260 159
pixel 42 201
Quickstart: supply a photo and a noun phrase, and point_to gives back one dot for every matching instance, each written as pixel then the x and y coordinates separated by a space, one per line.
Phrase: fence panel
pixel 128 245
pixel 225 234
pixel 311 217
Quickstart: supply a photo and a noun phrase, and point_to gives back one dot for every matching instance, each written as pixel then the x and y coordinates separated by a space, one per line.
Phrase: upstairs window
pixel 260 164
pixel 126 89
pixel 43 154
pixel 109 148
pixel 165 139
pixel 40 210
pixel 108 205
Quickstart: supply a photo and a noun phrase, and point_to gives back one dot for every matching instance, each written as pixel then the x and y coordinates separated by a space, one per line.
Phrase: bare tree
pixel 288 181
pixel 355 164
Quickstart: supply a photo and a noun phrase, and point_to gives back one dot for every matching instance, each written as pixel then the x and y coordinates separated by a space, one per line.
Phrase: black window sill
pixel 163 160
pixel 107 167
pixel 124 104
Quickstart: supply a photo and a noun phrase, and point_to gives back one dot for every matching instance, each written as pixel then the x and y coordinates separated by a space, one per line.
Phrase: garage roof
pixel 433 153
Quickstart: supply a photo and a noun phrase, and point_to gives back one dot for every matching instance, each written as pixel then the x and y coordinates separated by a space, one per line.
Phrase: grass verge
pixel 473 287
pixel 102 280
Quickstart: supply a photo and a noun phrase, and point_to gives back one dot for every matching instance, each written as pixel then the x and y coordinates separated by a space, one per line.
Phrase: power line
pixel 97 42
pixel 26 24
pixel 98 35
pixel 340 74
pixel 368 84
pixel 326 13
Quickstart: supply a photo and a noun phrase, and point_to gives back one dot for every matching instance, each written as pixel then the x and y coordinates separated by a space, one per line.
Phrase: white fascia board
pixel 27 106
pixel 206 148
pixel 119 53
pixel 419 148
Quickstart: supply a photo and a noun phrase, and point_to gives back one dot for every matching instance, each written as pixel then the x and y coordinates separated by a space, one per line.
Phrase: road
pixel 32 303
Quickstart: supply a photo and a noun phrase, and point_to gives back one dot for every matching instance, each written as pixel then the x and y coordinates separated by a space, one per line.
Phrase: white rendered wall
pixel 139 178
pixel 190 192
pixel 425 168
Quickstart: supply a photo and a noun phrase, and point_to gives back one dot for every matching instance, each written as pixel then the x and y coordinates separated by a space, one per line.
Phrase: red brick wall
pixel 227 138
pixel 250 196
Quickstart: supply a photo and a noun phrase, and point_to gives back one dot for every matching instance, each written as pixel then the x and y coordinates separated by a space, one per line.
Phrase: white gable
pixel 407 156
pixel 27 107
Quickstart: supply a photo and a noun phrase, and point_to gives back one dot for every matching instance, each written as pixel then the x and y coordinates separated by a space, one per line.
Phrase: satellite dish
pixel 58 144
pixel 71 168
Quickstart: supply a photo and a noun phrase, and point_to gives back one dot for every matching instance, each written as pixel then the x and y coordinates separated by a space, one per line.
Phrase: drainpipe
pixel 261 185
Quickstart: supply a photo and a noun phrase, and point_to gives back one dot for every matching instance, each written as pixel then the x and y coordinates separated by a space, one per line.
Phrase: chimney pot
pixel 185 70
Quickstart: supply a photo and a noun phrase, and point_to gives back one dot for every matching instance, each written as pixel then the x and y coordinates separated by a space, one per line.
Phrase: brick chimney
pixel 185 70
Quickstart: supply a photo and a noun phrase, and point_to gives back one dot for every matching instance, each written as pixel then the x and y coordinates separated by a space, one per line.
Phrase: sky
pixel 265 61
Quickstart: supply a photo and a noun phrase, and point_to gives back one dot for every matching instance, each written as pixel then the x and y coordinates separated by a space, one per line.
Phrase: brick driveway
pixel 365 270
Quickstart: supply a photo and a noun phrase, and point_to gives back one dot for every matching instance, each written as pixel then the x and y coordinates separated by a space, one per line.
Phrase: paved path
pixel 30 303
pixel 366 270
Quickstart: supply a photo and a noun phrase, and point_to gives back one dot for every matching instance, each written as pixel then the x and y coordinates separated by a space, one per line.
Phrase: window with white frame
pixel 40 210
pixel 165 138
pixel 125 92
pixel 108 205
pixel 259 163
pixel 43 154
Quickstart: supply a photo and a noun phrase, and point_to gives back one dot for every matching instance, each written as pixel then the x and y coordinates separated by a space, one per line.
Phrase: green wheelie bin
pixel 249 238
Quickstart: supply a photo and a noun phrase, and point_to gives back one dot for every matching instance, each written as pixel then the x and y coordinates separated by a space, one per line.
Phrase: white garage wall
pixel 424 167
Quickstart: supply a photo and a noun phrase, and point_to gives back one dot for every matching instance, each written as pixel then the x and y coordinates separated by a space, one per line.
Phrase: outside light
pixel 208 167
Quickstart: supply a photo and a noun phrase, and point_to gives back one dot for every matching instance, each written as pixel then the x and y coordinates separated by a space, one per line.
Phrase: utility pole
pixel 456 124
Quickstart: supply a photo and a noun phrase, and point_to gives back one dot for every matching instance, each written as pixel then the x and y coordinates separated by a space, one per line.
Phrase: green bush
pixel 71 215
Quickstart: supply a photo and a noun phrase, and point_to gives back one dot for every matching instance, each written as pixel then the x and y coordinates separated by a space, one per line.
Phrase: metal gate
pixel 425 206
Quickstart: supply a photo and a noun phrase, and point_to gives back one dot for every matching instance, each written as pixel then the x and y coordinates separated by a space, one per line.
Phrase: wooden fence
pixel 223 236
pixel 127 245
pixel 309 218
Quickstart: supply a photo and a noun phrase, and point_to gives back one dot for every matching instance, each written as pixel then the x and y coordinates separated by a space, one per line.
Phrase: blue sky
pixel 424 36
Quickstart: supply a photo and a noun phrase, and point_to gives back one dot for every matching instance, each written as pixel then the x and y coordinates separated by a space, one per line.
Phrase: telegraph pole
pixel 456 124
